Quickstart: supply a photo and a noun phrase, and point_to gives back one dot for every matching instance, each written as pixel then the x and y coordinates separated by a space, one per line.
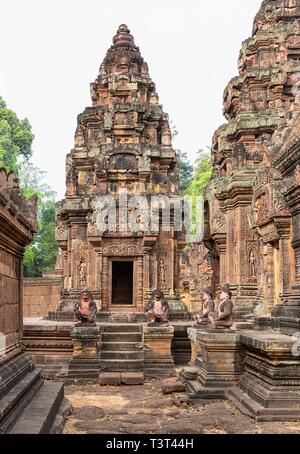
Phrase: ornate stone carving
pixel 82 273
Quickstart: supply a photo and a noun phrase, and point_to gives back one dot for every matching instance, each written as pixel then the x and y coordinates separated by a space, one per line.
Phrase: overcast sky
pixel 52 49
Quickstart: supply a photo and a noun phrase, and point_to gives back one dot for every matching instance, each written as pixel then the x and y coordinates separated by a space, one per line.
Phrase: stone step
pixel 121 378
pixel 14 371
pixel 243 402
pixel 197 391
pixel 17 398
pixel 121 346
pixel 39 415
pixel 250 407
pixel 85 374
pixel 82 366
pixel 132 318
pixel 122 328
pixel 120 365
pixel 121 337
pixel 122 354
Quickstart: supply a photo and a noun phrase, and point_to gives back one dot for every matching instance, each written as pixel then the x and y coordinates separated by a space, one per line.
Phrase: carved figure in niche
pixel 193 286
pixel 125 162
pixel 252 263
pixel 151 134
pixel 256 211
pixel 208 307
pixel 146 163
pixel 154 99
pixel 223 318
pixel 82 271
pixel 79 137
pixel 61 232
pixel 162 274
pixel 239 155
pixel 85 309
pixel 173 180
pixel 166 136
pixel 157 309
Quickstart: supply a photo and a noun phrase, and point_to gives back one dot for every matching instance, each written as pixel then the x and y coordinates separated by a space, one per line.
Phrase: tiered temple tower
pixel 122 143
pixel 248 218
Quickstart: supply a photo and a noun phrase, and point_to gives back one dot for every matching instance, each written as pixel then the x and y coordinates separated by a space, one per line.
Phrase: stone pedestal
pixel 181 345
pixel 85 363
pixel 178 310
pixel 291 307
pixel 220 363
pixel 157 349
pixel 193 334
pixel 286 316
pixel 270 388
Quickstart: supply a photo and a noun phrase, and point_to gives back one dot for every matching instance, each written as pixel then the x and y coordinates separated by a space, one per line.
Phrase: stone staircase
pixel 28 405
pixel 122 351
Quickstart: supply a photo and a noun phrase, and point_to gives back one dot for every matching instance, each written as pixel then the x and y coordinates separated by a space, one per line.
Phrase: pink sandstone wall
pixel 40 295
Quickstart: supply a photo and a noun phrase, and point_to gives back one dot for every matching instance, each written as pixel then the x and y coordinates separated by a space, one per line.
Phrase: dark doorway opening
pixel 122 283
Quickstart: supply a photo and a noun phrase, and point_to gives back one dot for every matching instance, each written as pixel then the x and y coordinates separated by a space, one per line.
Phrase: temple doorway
pixel 122 283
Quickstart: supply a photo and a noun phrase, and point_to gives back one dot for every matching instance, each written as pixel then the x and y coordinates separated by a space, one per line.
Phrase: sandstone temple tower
pixel 252 228
pixel 122 142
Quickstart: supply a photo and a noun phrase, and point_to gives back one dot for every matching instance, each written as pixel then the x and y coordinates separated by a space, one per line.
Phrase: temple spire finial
pixel 123 37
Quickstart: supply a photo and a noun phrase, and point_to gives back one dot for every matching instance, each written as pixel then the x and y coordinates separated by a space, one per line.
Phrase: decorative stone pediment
pixel 268 198
pixel 123 248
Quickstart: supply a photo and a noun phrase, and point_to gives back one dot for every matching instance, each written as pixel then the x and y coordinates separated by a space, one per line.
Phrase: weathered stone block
pixel 172 385
pixel 220 363
pixel 270 388
pixel 85 342
pixel 157 349
pixel 132 378
pixel 110 378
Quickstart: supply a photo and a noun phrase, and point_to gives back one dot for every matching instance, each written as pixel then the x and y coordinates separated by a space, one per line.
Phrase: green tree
pixel 202 174
pixel 201 178
pixel 41 254
pixel 185 172
pixel 15 139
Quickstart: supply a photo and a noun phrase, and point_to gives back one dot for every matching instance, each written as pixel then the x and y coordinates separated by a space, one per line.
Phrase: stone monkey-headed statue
pixel 223 319
pixel 85 309
pixel 208 307
pixel 157 309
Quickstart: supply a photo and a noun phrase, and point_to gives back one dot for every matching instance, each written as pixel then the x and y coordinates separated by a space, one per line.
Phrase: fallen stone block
pixel 172 385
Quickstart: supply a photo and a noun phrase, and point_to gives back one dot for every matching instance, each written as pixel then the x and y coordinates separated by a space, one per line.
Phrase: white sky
pixel 52 49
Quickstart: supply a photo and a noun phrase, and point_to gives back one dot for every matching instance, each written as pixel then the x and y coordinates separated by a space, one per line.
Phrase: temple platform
pixel 122 352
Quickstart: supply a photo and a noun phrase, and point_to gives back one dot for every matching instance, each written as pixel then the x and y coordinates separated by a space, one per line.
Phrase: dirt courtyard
pixel 144 409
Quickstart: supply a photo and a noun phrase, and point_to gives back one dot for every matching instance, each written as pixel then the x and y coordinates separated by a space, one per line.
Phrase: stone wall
pixel 22 389
pixel 17 225
pixel 40 296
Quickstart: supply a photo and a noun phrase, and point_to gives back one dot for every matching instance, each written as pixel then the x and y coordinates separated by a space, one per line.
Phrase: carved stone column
pixel 140 287
pixel 105 283
pixel 146 272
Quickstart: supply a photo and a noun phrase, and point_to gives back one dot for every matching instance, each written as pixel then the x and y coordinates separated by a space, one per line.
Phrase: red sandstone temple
pixel 122 142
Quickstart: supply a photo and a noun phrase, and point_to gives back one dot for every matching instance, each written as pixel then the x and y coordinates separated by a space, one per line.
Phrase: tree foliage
pixel 202 174
pixel 16 139
pixel 41 254
pixel 198 184
pixel 185 172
